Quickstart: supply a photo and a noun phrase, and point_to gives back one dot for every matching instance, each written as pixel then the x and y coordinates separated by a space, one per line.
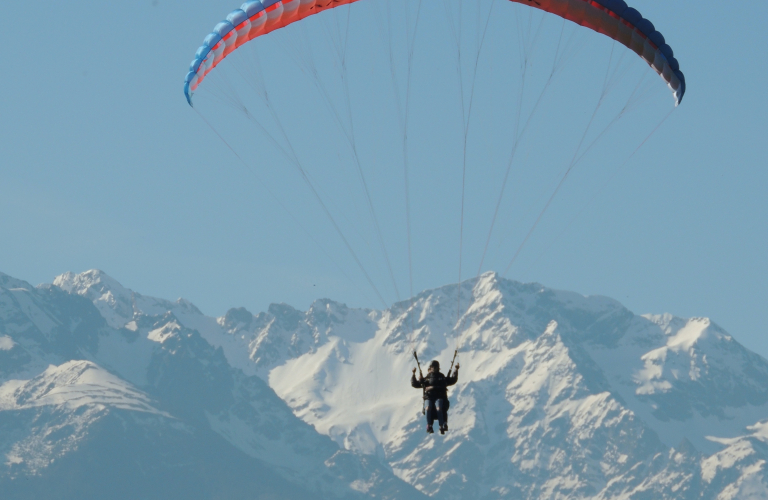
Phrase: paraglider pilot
pixel 435 386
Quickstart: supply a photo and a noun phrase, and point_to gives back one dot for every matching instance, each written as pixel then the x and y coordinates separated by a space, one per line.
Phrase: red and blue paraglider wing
pixel 612 18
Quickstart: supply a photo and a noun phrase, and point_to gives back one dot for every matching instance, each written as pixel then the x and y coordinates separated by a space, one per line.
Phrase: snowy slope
pixel 72 385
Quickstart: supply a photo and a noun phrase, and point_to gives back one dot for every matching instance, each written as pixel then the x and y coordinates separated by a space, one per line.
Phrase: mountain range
pixel 107 393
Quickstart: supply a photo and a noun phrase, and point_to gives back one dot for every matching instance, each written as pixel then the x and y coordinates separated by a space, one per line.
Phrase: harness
pixel 421 377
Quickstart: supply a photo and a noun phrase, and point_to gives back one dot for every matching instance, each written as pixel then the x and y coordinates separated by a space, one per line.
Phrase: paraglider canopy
pixel 612 18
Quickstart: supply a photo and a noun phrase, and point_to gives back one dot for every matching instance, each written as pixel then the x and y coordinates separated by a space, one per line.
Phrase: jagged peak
pixel 327 303
pixel 81 283
pixel 117 304
pixel 327 308
pixel 491 288
pixel 285 315
pixel 237 317
pixel 488 277
pixel 324 313
pixel 282 308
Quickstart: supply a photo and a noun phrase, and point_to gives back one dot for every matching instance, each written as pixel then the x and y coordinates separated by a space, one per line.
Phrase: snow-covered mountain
pixel 559 396
pixel 95 407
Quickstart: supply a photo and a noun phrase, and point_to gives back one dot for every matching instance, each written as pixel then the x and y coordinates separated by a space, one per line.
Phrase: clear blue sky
pixel 105 166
